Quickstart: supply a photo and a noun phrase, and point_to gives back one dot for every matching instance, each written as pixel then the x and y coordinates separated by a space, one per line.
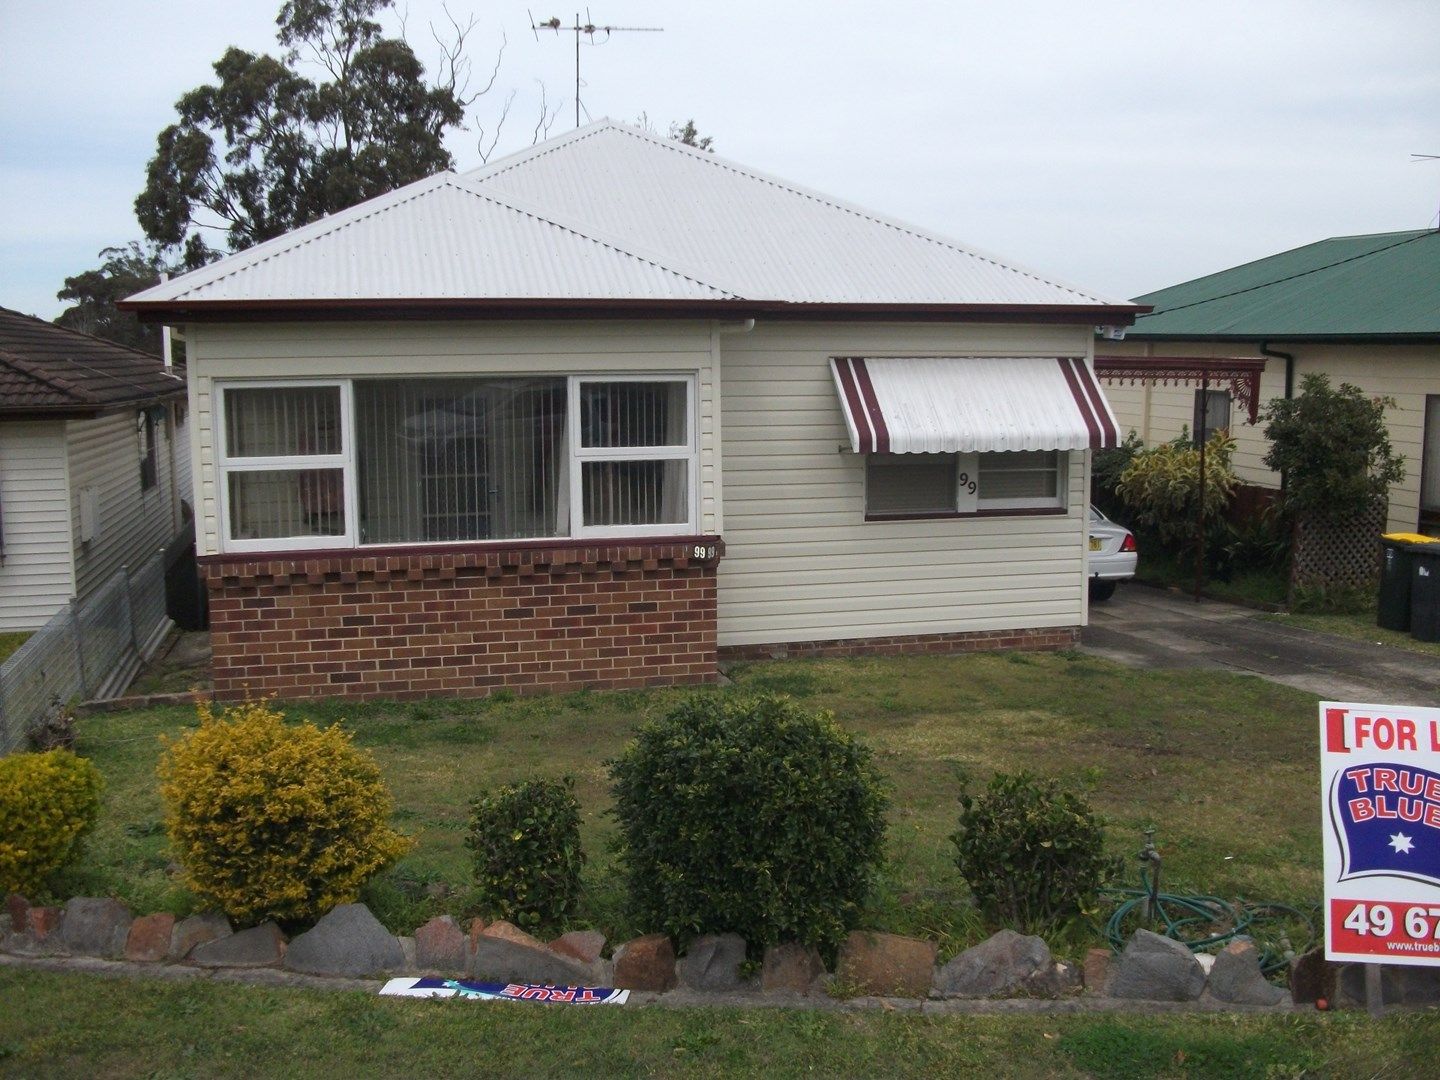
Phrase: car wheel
pixel 1102 590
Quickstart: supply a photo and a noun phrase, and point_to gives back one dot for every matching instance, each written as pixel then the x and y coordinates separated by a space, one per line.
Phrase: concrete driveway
pixel 1151 628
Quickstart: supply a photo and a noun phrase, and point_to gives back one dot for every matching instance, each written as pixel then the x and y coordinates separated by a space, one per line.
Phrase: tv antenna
pixel 585 29
pixel 1416 159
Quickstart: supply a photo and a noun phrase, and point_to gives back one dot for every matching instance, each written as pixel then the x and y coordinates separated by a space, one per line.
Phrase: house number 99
pixel 703 551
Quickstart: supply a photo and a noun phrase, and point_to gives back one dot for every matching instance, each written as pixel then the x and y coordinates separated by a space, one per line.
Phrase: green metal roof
pixel 1382 286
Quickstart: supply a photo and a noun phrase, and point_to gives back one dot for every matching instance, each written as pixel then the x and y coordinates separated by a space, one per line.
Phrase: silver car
pixel 1112 555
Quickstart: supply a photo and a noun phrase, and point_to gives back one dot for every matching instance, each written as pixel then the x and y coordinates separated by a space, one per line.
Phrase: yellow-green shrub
pixel 48 802
pixel 272 820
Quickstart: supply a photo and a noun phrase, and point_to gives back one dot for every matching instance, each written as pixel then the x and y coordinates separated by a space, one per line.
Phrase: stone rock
pixel 440 945
pixel 42 922
pixel 582 945
pixel 95 927
pixel 790 966
pixel 1097 969
pixel 196 930
pixel 16 907
pixel 1398 985
pixel 646 963
pixel 347 940
pixel 1156 968
pixel 886 965
pixel 260 946
pixel 1003 965
pixel 501 958
pixel 1235 977
pixel 477 927
pixel 1312 977
pixel 712 962
pixel 510 932
pixel 407 950
pixel 149 939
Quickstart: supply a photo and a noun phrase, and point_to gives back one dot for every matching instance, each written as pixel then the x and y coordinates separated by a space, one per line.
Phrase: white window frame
pixel 226 465
pixel 688 452
pixel 1059 501
pixel 346 462
pixel 965 505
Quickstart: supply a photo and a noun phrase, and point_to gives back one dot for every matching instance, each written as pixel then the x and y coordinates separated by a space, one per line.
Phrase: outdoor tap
pixel 1149 855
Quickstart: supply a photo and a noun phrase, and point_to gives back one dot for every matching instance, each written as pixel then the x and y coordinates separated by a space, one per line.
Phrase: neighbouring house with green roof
pixel 1360 309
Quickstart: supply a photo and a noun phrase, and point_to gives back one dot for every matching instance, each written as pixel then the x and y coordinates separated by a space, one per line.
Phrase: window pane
pixel 279 422
pixel 632 414
pixel 636 492
pixel 1026 474
pixel 461 459
pixel 910 483
pixel 286 503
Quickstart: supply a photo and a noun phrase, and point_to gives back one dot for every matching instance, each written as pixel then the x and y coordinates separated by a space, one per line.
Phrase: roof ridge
pixel 521 206
pixel 261 253
pixel 54 381
pixel 824 199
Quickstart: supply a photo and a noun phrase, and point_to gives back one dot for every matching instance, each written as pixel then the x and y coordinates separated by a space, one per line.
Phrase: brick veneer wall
pixel 463 621
pixel 1033 640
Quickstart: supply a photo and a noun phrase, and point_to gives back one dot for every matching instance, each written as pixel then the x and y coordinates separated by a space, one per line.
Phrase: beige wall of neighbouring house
pixel 397 349
pixel 801 562
pixel 37 576
pixel 1406 373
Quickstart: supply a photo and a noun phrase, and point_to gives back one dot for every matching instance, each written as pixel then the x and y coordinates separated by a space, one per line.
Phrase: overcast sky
pixel 1120 146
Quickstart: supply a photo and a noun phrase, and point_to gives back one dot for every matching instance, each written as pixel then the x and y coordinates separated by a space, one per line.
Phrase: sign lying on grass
pixel 541 993
pixel 1380 791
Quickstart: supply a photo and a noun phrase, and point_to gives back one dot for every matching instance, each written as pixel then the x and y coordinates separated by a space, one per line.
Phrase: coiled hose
pixel 1201 922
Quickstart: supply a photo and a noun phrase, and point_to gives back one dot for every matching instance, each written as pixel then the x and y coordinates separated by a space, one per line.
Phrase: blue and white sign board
pixel 1380 791
pixel 540 993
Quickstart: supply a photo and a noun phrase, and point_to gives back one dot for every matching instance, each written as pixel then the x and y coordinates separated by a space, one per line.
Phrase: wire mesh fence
pixel 89 649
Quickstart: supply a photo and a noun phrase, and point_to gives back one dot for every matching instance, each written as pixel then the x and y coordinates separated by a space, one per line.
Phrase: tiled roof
pixel 47 369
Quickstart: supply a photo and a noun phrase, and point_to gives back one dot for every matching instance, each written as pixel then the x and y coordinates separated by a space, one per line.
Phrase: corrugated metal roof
pixel 971 404
pixel 609 212
pixel 436 238
pixel 1376 286
pixel 46 369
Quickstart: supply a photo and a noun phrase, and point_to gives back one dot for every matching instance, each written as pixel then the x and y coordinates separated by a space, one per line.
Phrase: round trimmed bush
pixel 749 815
pixel 275 821
pixel 48 803
pixel 1031 852
pixel 526 843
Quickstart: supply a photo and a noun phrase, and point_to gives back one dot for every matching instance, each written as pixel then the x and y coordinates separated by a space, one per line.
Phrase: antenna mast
pixel 589 29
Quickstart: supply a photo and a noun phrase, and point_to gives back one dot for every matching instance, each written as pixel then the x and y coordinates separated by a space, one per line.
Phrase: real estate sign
pixel 1380 792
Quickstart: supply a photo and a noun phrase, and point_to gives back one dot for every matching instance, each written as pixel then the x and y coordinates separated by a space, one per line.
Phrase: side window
pixel 1212 414
pixel 149 456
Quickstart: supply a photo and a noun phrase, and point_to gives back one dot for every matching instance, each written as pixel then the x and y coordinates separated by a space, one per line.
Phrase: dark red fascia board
pixel 381 551
pixel 196 311
pixel 1257 340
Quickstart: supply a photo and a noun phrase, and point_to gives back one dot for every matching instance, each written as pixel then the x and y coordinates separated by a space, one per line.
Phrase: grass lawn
pixel 11 640
pixel 1263 588
pixel 74 1025
pixel 1224 766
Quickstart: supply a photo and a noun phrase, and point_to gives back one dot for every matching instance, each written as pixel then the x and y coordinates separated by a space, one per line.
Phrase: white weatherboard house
pixel 605 410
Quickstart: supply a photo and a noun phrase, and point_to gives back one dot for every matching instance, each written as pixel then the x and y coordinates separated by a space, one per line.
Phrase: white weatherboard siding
pixel 36 577
pixel 405 349
pixel 132 524
pixel 1406 373
pixel 801 562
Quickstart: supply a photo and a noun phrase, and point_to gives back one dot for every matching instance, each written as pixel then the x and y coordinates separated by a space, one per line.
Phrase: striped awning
pixel 969 404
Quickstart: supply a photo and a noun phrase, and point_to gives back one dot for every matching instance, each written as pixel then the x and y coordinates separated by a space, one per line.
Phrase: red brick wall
pixel 1063 637
pixel 462 622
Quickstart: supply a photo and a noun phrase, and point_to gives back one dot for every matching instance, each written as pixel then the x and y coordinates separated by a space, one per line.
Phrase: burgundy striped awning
pixel 968 404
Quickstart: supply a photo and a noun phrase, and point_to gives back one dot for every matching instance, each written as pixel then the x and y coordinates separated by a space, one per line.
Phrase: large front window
pixel 399 461
pixel 948 485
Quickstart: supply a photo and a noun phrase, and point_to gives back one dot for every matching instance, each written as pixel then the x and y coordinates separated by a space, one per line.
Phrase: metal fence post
pixel 73 609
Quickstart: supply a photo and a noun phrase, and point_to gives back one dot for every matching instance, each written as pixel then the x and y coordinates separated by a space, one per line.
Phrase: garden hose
pixel 1201 922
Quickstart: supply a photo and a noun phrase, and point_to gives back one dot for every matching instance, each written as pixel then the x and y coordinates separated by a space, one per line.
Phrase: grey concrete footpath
pixel 1152 628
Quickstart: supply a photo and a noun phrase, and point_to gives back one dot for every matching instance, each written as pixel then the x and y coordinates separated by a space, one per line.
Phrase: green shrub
pixel 1161 486
pixel 48 803
pixel 1030 851
pixel 748 814
pixel 526 843
pixel 274 821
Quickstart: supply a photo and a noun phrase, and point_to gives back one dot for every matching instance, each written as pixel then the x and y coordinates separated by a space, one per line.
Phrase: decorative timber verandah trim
pixel 1240 374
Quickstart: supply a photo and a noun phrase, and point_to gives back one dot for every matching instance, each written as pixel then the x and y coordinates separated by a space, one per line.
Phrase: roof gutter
pixel 331 310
